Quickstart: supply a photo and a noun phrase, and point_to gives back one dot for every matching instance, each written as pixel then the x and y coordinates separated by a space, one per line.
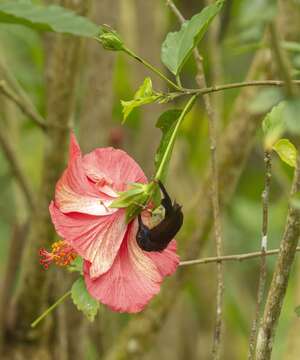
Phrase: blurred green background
pixel 228 50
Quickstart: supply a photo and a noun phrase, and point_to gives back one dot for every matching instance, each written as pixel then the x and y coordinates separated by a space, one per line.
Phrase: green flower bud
pixel 110 39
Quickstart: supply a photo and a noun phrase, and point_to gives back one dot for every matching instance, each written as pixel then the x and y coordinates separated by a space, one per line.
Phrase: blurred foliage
pixel 22 50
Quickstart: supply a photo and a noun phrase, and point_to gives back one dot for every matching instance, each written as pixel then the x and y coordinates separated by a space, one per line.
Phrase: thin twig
pixel 282 61
pixel 176 12
pixel 152 68
pixel 263 264
pixel 22 105
pixel 8 75
pixel 277 291
pixel 201 81
pixel 50 308
pixel 237 257
pixel 16 169
pixel 211 89
pixel 216 66
pixel 216 88
pixel 216 212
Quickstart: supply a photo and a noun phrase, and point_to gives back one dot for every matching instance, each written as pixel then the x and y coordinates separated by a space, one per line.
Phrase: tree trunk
pixel 32 293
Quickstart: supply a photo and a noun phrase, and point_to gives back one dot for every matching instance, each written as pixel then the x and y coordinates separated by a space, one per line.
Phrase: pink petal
pixel 131 282
pixel 95 238
pixel 75 193
pixel 167 260
pixel 74 148
pixel 115 166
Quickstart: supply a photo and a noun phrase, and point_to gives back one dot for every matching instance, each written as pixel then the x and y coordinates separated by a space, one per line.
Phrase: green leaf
pixel 46 18
pixel 256 13
pixel 127 197
pixel 273 125
pixel 83 300
pixel 166 123
pixel 179 45
pixel 295 200
pixel 286 151
pixel 145 89
pixel 76 265
pixel 291 115
pixel 144 95
pixel 291 46
pixel 135 199
pixel 265 100
pixel 136 207
pixel 297 310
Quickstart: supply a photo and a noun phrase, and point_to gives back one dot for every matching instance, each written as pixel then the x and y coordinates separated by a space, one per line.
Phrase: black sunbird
pixel 158 238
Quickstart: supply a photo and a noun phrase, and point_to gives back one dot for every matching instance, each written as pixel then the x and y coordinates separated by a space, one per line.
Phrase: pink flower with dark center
pixel 116 271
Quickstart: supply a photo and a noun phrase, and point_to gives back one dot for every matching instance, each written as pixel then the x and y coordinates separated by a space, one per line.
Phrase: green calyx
pixel 110 39
pixel 135 199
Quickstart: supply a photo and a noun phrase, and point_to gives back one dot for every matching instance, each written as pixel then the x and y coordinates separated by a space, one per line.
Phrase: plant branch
pixel 152 68
pixel 173 137
pixel 217 220
pixel 237 257
pixel 280 278
pixel 50 308
pixel 176 12
pixel 16 169
pixel 263 264
pixel 217 88
pixel 201 81
pixel 282 61
pixel 22 105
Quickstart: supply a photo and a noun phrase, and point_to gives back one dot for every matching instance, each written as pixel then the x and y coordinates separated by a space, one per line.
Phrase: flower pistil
pixel 61 254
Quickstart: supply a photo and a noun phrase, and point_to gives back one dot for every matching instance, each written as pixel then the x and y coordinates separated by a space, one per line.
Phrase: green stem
pixel 52 307
pixel 173 137
pixel 152 68
pixel 178 80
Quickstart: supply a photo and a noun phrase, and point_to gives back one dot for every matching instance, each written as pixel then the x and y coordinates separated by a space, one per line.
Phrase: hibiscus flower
pixel 117 271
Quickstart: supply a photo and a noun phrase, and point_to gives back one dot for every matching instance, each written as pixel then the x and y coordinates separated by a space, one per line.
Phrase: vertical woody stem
pixel 212 118
pixel 263 265
pixel 280 278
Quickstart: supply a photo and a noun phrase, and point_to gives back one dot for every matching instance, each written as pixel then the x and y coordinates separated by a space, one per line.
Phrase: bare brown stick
pixel 7 75
pixel 222 87
pixel 16 169
pixel 175 10
pixel 280 278
pixel 201 81
pixel 216 88
pixel 23 106
pixel 216 66
pixel 263 264
pixel 216 211
pixel 237 257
